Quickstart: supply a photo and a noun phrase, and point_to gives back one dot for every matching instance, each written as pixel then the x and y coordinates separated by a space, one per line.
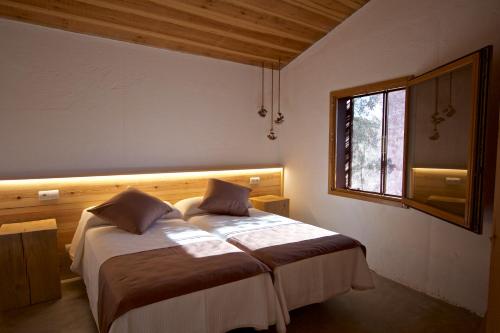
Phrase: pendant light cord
pixel 272 97
pixel 279 86
pixel 451 88
pixel 262 104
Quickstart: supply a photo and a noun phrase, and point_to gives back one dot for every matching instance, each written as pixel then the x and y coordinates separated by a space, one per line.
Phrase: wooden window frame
pixel 482 147
pixel 378 87
pixel 478 130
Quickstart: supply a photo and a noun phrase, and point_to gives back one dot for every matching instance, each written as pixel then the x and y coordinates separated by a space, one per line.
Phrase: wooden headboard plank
pixel 24 199
pixel 19 199
pixel 22 195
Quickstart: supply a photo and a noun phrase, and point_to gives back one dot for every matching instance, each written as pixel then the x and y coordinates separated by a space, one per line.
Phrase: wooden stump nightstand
pixel 28 258
pixel 272 204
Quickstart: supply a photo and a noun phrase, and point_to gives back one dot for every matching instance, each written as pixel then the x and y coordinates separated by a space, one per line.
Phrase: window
pixel 370 122
pixel 425 142
pixel 375 125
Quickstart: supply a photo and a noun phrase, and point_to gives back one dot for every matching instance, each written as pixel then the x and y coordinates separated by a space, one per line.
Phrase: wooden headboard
pixel 19 198
pixel 427 182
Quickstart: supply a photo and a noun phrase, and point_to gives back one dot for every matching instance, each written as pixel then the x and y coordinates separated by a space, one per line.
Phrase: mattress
pixel 250 302
pixel 302 282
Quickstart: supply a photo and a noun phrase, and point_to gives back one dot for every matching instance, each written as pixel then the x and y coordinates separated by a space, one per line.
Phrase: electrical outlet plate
pixel 48 195
pixel 453 180
pixel 254 180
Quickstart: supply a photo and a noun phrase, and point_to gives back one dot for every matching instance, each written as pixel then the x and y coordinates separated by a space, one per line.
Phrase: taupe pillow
pixel 225 198
pixel 132 210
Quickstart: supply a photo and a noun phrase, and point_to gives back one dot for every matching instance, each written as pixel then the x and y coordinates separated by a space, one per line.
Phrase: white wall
pixel 383 40
pixel 72 104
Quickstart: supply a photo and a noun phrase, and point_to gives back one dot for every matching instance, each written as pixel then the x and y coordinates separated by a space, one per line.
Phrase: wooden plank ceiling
pixel 252 32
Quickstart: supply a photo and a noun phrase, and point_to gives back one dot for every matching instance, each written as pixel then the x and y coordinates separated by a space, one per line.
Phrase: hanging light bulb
pixel 262 111
pixel 272 135
pixel 280 118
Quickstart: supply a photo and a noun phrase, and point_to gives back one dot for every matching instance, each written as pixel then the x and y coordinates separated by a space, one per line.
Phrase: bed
pixel 309 264
pixel 246 302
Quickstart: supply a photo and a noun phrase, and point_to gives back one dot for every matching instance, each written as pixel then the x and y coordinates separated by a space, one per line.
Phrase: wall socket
pixel 254 180
pixel 48 195
pixel 453 180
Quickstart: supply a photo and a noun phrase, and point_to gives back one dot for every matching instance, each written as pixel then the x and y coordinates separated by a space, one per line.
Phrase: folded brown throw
pixel 133 280
pixel 284 244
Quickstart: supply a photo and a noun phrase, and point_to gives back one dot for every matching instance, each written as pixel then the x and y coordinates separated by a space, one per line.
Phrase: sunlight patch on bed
pixel 182 236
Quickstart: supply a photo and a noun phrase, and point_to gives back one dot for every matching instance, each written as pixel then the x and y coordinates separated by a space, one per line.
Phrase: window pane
pixel 366 143
pixel 439 141
pixel 395 141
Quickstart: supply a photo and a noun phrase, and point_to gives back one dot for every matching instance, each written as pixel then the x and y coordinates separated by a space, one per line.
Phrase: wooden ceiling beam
pixel 353 4
pixel 153 11
pixel 337 13
pixel 228 13
pixel 246 31
pixel 84 10
pixel 50 18
pixel 290 12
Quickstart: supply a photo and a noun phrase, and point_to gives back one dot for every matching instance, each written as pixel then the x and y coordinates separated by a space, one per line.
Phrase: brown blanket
pixel 284 244
pixel 133 280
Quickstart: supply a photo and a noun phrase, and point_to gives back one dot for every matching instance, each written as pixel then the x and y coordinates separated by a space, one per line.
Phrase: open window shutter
pixel 445 141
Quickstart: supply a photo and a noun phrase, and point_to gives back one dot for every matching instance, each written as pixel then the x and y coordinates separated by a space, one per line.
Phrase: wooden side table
pixel 272 204
pixel 28 258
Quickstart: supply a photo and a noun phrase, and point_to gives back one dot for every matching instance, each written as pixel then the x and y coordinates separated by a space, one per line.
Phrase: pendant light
pixel 281 118
pixel 272 135
pixel 449 111
pixel 262 111
pixel 436 118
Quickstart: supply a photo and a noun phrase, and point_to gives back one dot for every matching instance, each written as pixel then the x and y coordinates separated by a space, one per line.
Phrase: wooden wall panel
pixel 19 198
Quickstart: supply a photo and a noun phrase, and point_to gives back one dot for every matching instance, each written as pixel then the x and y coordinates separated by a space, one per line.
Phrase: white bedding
pixel 304 282
pixel 250 302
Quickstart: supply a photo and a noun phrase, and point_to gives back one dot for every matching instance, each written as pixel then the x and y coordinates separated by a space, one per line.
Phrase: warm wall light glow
pixel 441 171
pixel 139 177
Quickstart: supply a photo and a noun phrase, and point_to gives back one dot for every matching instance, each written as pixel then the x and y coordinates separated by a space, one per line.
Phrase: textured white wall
pixel 76 104
pixel 387 39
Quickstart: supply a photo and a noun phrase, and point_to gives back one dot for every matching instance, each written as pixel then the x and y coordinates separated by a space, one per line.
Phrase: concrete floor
pixel 389 308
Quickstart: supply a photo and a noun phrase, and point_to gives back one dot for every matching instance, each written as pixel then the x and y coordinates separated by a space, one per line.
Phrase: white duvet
pixel 251 302
pixel 304 282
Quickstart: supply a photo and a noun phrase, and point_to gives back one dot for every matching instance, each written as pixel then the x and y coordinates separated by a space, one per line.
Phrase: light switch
pixel 48 195
pixel 254 180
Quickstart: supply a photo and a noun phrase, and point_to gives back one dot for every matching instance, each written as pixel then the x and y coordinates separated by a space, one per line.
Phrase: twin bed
pixel 245 302
pixel 192 271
